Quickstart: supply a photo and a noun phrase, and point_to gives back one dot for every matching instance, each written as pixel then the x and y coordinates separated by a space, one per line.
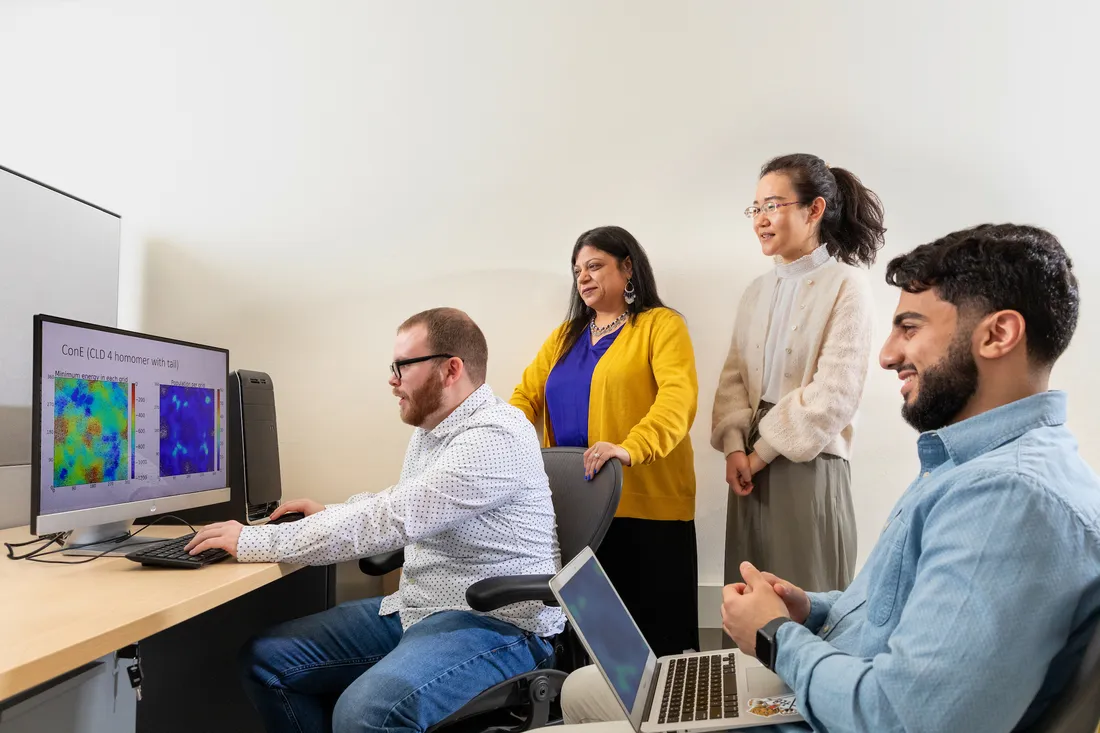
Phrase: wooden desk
pixel 54 618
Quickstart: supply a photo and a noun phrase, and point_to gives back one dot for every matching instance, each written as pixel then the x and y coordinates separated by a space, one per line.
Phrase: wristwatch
pixel 767 646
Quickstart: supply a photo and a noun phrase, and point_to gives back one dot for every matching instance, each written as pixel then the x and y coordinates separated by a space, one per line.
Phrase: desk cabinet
pixel 191 676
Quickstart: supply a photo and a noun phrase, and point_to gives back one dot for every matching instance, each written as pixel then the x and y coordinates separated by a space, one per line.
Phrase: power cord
pixel 48 539
pixel 38 553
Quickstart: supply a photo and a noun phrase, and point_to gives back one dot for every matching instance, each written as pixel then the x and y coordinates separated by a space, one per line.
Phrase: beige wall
pixel 296 178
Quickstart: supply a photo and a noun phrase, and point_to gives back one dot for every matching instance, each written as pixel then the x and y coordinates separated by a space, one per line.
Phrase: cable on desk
pixel 37 554
pixel 48 539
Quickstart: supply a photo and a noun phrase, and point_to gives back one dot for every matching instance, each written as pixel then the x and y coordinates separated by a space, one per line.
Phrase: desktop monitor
pixel 124 425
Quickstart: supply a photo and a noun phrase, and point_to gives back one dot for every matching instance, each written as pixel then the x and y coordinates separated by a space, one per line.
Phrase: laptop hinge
pixel 652 691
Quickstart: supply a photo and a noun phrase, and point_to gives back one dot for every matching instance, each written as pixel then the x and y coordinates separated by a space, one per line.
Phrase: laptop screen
pixel 606 625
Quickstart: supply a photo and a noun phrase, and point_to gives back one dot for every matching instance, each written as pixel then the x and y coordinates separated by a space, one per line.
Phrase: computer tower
pixel 254 471
pixel 252 454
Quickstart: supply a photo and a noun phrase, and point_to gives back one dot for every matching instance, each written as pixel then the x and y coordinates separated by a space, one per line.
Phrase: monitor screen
pixel 608 628
pixel 123 417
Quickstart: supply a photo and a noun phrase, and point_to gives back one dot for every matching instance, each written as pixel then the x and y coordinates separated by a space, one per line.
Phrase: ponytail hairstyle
pixel 851 227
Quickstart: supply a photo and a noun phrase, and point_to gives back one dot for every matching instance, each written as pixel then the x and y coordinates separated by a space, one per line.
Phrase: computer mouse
pixel 288 517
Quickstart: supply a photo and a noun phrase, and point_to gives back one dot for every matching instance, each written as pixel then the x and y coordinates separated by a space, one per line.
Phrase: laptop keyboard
pixel 699 688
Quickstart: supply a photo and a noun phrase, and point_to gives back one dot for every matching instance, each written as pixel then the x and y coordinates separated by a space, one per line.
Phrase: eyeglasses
pixel 395 367
pixel 769 207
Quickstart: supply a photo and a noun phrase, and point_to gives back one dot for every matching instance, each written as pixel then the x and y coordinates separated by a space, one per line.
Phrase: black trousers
pixel 654 566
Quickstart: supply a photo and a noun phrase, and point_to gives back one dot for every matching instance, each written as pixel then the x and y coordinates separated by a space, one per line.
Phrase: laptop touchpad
pixel 762 683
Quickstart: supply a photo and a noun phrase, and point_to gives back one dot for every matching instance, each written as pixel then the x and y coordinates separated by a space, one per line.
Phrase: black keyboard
pixel 170 553
pixel 700 688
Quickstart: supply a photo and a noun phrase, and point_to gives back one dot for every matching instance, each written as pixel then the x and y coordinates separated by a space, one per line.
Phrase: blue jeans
pixel 349 669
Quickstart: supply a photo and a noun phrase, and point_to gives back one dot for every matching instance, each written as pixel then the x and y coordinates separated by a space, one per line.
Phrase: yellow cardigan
pixel 644 397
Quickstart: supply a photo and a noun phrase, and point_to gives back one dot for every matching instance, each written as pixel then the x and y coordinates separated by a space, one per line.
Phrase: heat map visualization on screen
pixel 90 431
pixel 187 430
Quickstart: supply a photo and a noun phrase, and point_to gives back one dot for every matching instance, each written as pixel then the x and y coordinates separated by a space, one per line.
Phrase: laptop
pixel 684 692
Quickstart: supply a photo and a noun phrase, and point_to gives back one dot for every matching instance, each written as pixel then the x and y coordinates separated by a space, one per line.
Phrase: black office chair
pixel 1077 709
pixel 584 511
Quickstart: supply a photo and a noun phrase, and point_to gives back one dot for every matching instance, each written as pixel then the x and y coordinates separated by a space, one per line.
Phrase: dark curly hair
pixel 851 227
pixel 994 267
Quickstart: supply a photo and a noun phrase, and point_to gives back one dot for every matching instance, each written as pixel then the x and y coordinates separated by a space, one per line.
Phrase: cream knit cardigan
pixel 826 367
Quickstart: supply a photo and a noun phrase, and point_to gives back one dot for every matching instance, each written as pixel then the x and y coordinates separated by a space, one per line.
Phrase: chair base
pixel 522 703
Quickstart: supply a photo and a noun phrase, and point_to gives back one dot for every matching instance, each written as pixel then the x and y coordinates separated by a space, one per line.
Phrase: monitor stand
pixel 106 540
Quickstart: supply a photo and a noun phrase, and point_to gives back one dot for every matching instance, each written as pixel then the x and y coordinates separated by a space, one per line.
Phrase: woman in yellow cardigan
pixel 618 378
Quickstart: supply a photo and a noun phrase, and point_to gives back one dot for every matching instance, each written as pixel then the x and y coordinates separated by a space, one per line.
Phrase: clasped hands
pixel 740 468
pixel 748 606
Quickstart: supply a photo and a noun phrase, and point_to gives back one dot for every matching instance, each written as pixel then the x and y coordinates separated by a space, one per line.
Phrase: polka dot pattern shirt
pixel 473 502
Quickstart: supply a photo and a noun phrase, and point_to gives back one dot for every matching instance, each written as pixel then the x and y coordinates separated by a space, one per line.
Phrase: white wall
pixel 296 178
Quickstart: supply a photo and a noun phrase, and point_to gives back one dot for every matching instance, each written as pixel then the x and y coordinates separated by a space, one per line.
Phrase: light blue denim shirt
pixel 975 605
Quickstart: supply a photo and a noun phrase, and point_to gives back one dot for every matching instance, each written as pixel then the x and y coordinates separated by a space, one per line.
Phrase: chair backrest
pixel 584 509
pixel 1077 709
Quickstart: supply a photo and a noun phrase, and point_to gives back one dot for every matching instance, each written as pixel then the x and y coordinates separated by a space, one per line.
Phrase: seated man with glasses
pixel 473 502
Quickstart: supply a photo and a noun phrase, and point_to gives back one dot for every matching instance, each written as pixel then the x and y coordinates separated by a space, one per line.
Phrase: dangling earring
pixel 628 295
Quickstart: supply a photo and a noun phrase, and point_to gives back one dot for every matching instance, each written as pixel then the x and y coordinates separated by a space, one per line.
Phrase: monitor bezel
pixel 80 518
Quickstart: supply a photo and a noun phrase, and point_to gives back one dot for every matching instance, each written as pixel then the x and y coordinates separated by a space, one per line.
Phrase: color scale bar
pixel 133 427
pixel 217 430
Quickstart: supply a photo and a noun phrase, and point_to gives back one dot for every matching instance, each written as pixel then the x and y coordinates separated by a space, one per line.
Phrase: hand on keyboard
pixel 173 553
pixel 221 535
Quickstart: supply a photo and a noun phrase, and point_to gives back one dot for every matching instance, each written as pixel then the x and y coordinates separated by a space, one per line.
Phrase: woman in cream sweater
pixel 618 378
pixel 793 380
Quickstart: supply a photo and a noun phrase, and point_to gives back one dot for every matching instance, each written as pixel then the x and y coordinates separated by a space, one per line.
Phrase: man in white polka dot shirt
pixel 473 502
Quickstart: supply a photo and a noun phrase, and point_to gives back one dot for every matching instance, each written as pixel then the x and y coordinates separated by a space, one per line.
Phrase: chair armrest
pixel 493 593
pixel 383 563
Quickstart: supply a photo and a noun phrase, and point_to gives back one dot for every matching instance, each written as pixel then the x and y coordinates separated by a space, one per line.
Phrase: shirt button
pixel 794 328
pixel 809 282
pixel 787 375
pixel 926 474
pixel 826 630
pixel 788 351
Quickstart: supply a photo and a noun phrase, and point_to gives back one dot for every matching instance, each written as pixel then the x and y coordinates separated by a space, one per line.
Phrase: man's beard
pixel 944 389
pixel 424 402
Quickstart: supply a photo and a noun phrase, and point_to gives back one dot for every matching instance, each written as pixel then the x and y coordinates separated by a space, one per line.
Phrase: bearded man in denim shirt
pixel 976 604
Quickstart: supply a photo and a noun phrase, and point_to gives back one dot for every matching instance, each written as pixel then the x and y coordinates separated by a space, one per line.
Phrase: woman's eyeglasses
pixel 769 207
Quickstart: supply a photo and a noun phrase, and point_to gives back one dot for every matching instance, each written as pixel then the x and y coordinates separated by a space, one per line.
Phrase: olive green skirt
pixel 797 523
